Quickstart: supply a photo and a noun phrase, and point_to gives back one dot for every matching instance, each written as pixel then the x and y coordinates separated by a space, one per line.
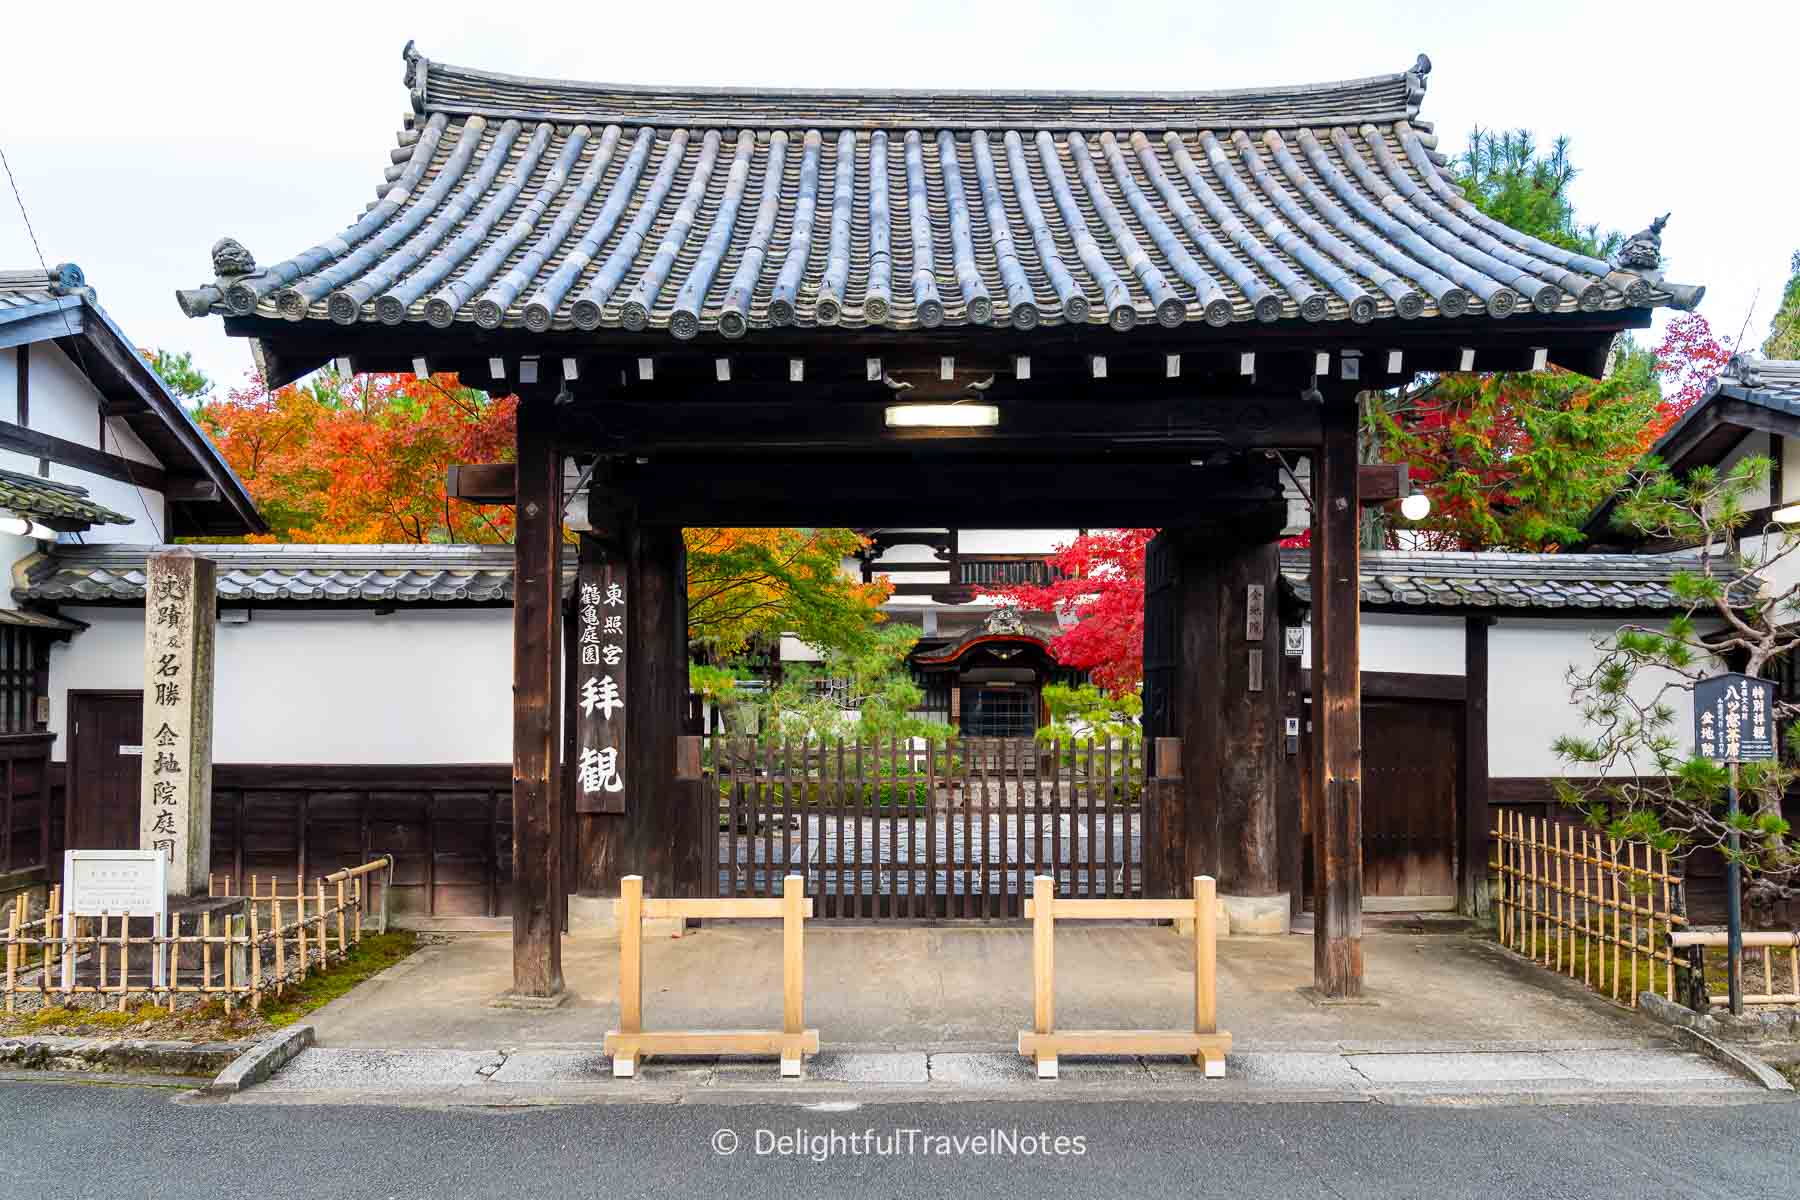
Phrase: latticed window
pixel 22 657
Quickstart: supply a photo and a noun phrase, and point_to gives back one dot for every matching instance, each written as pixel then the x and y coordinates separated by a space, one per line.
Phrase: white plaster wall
pixel 1417 645
pixel 64 405
pixel 1013 541
pixel 9 387
pixel 1755 443
pixel 1529 705
pixel 324 686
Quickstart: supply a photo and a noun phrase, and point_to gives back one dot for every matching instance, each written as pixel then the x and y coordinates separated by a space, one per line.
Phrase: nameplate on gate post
pixel 602 658
pixel 1253 613
pixel 1734 718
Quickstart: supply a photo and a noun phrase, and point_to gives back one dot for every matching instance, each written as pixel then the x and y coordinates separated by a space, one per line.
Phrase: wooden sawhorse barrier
pixel 1205 1045
pixel 631 1044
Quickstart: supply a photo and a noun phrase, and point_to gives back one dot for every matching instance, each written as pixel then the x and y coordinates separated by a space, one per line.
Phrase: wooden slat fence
pixel 1587 906
pixel 272 943
pixel 1762 965
pixel 910 829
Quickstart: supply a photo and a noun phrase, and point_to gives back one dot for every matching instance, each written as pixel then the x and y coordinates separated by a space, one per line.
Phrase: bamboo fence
pixel 1590 907
pixel 1760 948
pixel 274 942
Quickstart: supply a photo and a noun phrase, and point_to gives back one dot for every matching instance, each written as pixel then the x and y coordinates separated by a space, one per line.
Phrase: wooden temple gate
pixel 880 310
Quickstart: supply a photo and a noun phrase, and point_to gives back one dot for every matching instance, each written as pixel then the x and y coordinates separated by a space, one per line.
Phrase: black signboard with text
pixel 1734 719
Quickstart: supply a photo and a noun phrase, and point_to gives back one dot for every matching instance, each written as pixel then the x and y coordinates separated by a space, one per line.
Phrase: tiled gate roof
pixel 546 204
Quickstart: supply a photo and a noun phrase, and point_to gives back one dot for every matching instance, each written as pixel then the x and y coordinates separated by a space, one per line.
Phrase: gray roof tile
pixel 554 205
pixel 1431 579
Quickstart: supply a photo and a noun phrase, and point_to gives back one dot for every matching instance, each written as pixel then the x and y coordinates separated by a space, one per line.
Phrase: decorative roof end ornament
pixel 66 279
pixel 1005 622
pixel 230 259
pixel 1642 251
pixel 1415 83
pixel 416 65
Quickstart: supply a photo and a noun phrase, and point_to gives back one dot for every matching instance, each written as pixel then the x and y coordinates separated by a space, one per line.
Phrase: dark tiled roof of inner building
pixel 515 202
pixel 1405 579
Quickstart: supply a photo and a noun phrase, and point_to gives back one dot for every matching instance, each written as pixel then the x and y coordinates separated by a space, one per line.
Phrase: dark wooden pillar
pixel 1290 796
pixel 658 829
pixel 537 649
pixel 1336 800
pixel 1475 816
pixel 1213 598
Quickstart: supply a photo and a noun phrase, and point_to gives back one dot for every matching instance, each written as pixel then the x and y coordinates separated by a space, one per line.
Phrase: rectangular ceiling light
pixel 942 416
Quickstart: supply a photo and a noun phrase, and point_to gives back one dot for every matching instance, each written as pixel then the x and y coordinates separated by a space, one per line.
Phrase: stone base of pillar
pixel 598 916
pixel 1243 916
pixel 1258 914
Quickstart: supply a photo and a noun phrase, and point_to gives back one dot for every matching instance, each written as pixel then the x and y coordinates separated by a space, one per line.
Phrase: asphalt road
pixel 71 1140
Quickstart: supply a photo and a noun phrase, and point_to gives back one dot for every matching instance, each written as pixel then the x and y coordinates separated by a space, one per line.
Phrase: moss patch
pixel 369 957
pixel 210 1022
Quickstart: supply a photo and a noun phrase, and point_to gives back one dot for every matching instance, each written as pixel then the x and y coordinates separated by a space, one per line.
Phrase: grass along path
pixel 210 1022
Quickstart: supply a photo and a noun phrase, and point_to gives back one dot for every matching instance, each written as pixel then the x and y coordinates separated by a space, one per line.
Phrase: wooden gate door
pixel 944 830
pixel 106 735
pixel 1410 754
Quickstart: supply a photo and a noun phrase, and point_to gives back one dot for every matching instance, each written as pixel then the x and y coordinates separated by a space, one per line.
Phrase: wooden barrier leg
pixel 1206 966
pixel 793 973
pixel 1043 968
pixel 631 973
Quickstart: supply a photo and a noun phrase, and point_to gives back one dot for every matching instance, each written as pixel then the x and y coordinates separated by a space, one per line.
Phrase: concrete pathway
pixel 949 988
pixel 535 1075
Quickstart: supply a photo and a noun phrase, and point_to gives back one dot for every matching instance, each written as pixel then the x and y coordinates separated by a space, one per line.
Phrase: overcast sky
pixel 138 137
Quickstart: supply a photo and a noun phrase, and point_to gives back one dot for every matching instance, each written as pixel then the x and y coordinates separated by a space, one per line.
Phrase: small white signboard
pixel 131 883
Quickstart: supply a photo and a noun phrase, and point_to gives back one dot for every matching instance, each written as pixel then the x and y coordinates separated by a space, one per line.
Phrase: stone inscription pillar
pixel 175 809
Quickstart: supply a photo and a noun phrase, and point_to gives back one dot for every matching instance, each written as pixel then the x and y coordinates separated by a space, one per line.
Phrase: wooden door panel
pixel 104 784
pixel 1410 756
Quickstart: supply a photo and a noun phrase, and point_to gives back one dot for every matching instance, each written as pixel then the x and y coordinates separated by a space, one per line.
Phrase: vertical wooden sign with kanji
pixel 175 818
pixel 601 660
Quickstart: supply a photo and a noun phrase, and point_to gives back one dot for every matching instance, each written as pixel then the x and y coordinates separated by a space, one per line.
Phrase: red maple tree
pixel 1688 359
pixel 1100 584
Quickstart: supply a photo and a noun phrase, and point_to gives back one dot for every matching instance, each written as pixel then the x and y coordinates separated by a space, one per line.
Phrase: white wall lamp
pixel 20 527
pixel 1416 506
pixel 943 416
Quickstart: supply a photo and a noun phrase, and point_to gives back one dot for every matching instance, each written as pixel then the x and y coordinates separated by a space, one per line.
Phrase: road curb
pixel 1747 1065
pixel 262 1060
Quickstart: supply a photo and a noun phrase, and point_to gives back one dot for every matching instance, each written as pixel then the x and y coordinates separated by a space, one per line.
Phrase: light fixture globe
pixel 1416 507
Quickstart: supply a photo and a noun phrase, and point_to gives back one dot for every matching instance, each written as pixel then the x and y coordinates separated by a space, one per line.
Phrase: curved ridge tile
pixel 243 295
pixel 685 321
pixel 636 311
pixel 1074 305
pixel 1215 305
pixel 793 267
pixel 1021 307
pixel 441 308
pixel 1296 247
pixel 345 303
pixel 1306 297
pixel 294 299
pixel 1423 262
pixel 828 306
pixel 878 295
pixel 1121 312
pixel 734 313
pixel 586 311
pixel 540 310
pixel 928 308
pixel 1499 298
